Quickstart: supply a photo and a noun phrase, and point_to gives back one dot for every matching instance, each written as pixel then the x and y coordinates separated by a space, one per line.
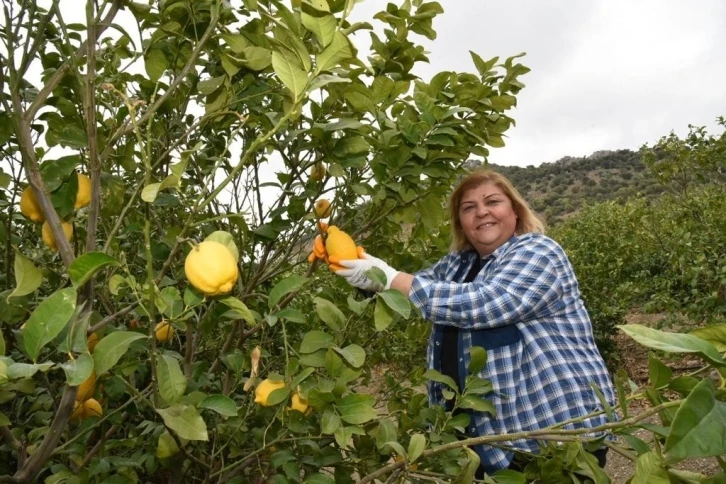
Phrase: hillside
pixel 558 190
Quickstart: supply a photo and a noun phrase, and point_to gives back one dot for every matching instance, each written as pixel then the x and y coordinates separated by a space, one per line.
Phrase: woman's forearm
pixel 402 282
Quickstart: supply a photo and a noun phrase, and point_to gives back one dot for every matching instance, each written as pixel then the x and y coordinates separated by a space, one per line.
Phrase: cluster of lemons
pixel 86 405
pixel 30 208
pixel 267 386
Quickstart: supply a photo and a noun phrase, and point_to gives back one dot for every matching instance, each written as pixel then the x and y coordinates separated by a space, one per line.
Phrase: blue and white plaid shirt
pixel 524 308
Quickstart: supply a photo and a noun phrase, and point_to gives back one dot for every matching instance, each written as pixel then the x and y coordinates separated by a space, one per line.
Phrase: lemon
pixel 298 403
pixel 47 234
pixel 263 390
pixel 91 408
pixel 339 246
pixel 87 388
pixel 83 195
pixel 211 268
pixel 92 342
pixel 29 205
pixel 317 172
pixel 323 208
pixel 77 411
pixel 164 331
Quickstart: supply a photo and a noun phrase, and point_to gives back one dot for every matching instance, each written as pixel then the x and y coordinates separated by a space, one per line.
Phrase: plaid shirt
pixel 524 308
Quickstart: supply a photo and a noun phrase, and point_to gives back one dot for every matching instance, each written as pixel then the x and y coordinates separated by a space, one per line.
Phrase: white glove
pixel 355 272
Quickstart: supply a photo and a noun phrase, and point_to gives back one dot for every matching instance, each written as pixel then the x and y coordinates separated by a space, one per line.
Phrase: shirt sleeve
pixel 436 272
pixel 522 287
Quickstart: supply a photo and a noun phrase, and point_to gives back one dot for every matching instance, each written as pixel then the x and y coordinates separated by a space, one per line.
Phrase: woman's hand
pixel 355 272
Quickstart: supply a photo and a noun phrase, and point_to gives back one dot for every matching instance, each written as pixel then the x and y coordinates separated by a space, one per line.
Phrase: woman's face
pixel 487 217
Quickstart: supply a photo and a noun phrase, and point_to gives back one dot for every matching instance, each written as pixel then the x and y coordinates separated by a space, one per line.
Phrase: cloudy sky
pixel 606 74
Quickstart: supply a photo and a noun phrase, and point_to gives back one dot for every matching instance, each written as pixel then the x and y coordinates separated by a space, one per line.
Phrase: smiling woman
pixel 507 288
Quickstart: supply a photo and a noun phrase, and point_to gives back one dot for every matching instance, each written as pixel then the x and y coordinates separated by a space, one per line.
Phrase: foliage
pixel 205 123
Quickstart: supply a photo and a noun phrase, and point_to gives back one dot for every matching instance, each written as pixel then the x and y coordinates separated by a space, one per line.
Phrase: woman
pixel 507 287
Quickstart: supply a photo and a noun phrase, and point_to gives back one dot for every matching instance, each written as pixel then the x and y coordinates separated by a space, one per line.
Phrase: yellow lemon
pixel 211 268
pixel 317 172
pixel 77 411
pixel 87 388
pixel 83 195
pixel 92 342
pixel 339 246
pixel 48 234
pixel 91 408
pixel 323 208
pixel 29 205
pixel 164 331
pixel 299 404
pixel 263 390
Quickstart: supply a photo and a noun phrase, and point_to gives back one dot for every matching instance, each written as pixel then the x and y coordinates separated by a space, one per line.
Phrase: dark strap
pixel 450 334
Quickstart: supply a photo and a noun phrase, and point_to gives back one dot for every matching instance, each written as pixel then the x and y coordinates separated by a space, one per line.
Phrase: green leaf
pixel 236 42
pixel 284 287
pixel 673 342
pixel 55 172
pixel 416 447
pixel 468 473
pixel 111 348
pixel 322 26
pixel 660 375
pixel 478 361
pixel 330 422
pixel 278 396
pixel 172 383
pixel 291 314
pixel 150 192
pixel 356 409
pixel 323 80
pixel 319 478
pixel 434 375
pixel 239 307
pixel 288 69
pixel 17 371
pixel 155 63
pixel 699 427
pixel 167 446
pixel 48 320
pixel 396 301
pixel 78 370
pixel 316 340
pixel 329 313
pixel 185 421
pixel 714 334
pixel 338 50
pixel 353 354
pixel 28 278
pixel 382 315
pixel 649 469
pixel 2 344
pixel 4 420
pixel 226 239
pixel 257 58
pixel 386 432
pixel 478 404
pixel 84 267
pixel 221 404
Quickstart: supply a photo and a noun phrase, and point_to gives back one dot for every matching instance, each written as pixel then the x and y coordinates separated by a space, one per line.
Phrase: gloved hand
pixel 355 272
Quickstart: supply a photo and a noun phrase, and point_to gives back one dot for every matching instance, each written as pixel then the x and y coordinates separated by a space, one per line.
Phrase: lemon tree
pixel 213 124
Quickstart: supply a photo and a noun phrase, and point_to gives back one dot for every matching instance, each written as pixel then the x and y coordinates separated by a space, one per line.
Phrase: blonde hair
pixel 527 220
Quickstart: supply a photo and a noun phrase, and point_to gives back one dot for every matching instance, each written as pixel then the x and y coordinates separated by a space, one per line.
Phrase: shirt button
pixel 461 359
pixel 438 343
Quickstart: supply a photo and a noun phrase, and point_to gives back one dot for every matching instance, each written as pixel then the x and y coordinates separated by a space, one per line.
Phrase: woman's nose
pixel 481 210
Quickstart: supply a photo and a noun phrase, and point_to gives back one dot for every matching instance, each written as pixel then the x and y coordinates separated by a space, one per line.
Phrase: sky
pixel 606 74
